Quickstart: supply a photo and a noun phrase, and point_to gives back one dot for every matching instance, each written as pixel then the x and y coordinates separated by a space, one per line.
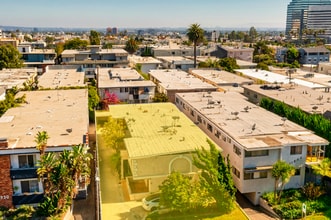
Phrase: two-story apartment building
pixel 63 114
pixel 239 53
pixel 313 55
pixel 172 81
pixel 95 57
pixel 253 138
pixel 126 83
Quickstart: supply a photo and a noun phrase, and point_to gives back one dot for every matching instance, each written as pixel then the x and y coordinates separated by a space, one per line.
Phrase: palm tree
pixel 41 140
pixel 196 35
pixel 323 169
pixel 282 172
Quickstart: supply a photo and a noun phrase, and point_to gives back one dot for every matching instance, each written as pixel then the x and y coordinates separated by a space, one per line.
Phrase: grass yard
pixel 235 214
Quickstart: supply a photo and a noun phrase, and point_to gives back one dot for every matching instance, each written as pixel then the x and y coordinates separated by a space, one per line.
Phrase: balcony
pixel 26 173
pixel 315 154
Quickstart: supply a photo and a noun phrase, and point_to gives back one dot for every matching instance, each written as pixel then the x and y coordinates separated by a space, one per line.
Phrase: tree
pixel 113 132
pixel 93 97
pixel 282 172
pixel 292 55
pixel 252 34
pixel 229 64
pixel 176 192
pixel 94 38
pixel 10 57
pixel 75 44
pixel 131 46
pixel 160 97
pixel 209 63
pixel 323 168
pixel 196 35
pixel 216 176
pixel 61 175
pixel 41 139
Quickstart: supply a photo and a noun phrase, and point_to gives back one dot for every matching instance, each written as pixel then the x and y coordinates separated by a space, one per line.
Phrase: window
pixel 26 161
pixel 248 176
pixel 199 119
pixel 217 134
pixel 257 153
pixel 126 89
pixel 297 172
pixel 236 172
pixel 255 96
pixel 229 140
pixel 237 150
pixel 192 112
pixel 29 186
pixel 121 90
pixel 296 150
pixel 256 175
pixel 209 127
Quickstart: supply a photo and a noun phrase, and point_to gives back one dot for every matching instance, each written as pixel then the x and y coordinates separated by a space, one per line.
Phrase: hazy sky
pixel 144 13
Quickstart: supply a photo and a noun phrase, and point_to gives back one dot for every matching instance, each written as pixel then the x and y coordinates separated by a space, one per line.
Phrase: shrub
pixel 312 191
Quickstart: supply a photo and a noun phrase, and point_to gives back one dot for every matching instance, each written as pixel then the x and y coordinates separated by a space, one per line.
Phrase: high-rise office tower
pixel 319 19
pixel 297 15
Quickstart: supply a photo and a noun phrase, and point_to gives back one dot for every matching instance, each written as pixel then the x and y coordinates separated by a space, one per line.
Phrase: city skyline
pixel 145 13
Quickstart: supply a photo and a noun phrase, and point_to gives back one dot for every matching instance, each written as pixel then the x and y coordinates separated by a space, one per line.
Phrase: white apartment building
pixel 253 138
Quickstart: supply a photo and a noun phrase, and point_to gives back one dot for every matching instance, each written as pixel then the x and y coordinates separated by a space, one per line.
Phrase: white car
pixel 151 202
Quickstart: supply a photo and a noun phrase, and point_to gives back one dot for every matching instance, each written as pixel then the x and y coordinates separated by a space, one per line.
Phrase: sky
pixel 144 13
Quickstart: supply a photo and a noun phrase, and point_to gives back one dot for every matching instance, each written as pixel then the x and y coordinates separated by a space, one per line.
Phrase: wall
pixel 6 188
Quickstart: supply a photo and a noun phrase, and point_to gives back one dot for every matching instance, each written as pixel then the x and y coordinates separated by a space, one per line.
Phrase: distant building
pixel 319 19
pixel 114 31
pixel 12 41
pixel 176 62
pixel 95 57
pixel 147 63
pixel 297 15
pixel 314 55
pixel 240 53
pixel 39 58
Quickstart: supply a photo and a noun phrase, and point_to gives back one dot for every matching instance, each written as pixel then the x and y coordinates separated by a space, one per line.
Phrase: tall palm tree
pixel 41 140
pixel 195 34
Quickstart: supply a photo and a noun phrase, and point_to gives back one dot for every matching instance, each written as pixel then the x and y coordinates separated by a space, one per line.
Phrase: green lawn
pixel 235 214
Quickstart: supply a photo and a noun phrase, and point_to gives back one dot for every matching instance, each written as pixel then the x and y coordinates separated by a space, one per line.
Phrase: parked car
pixel 151 202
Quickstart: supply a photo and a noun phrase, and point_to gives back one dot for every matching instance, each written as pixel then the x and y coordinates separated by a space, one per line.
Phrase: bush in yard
pixel 312 191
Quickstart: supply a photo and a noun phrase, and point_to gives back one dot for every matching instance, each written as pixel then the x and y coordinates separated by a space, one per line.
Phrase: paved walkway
pixel 253 212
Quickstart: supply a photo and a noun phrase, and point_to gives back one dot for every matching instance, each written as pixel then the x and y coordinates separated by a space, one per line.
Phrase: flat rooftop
pixel 61 76
pixel 144 60
pixel 172 79
pixel 157 129
pixel 175 59
pixel 53 111
pixel 121 77
pixel 16 77
pixel 297 96
pixel 220 77
pixel 251 126
pixel 271 77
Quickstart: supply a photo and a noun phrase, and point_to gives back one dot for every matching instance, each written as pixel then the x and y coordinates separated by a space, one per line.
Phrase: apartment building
pixel 239 53
pixel 39 58
pixel 161 140
pixel 10 78
pixel 63 114
pixel 147 63
pixel 172 81
pixel 253 138
pixel 126 83
pixel 95 57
